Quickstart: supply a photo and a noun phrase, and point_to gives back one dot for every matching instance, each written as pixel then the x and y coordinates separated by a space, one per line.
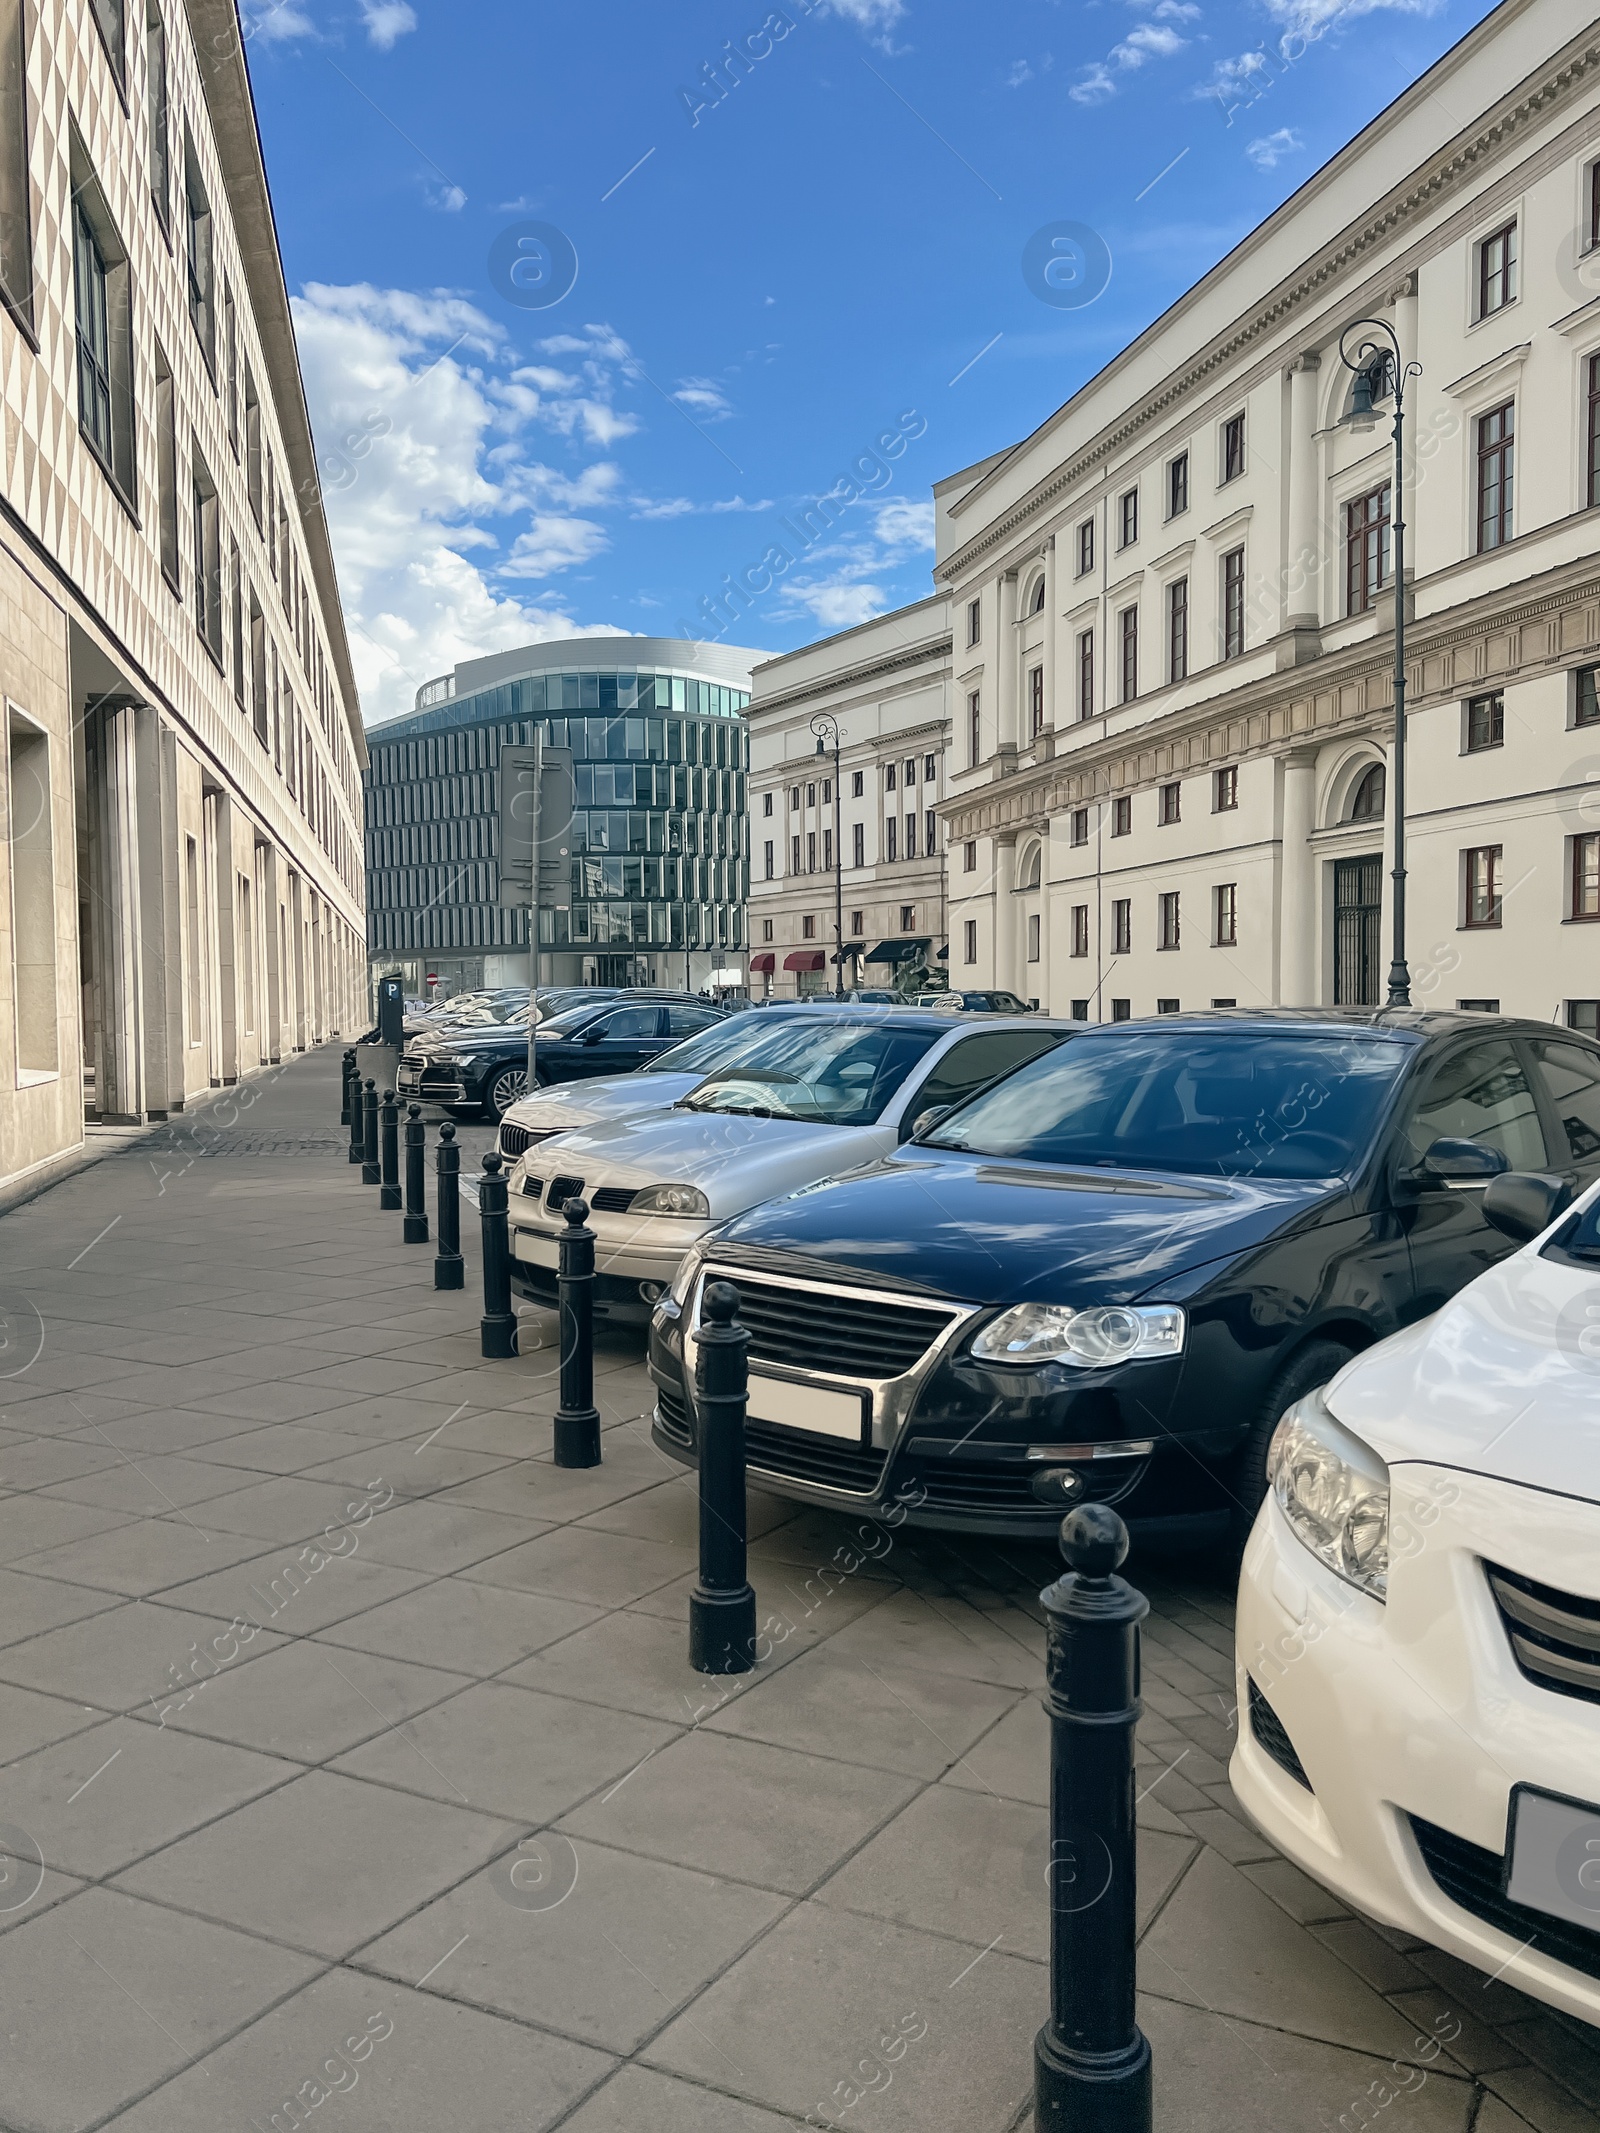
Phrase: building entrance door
pixel 1357 925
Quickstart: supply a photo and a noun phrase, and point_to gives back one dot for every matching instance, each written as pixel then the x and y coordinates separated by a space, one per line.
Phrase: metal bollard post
pixel 371 1174
pixel 389 1137
pixel 358 1119
pixel 498 1326
pixel 1091 2060
pixel 416 1222
pixel 449 1269
pixel 347 1074
pixel 722 1607
pixel 577 1432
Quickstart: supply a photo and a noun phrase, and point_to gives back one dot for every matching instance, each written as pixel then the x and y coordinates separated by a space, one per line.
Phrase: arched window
pixel 1030 871
pixel 1036 604
pixel 1367 800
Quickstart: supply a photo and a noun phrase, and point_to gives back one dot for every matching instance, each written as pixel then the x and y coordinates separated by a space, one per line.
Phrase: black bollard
pixel 1091 2059
pixel 389 1139
pixel 347 1074
pixel 449 1270
pixel 416 1223
pixel 498 1327
pixel 722 1607
pixel 358 1118
pixel 577 1433
pixel 371 1174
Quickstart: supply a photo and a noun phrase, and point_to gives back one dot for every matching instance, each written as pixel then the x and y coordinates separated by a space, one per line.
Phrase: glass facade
pixel 660 860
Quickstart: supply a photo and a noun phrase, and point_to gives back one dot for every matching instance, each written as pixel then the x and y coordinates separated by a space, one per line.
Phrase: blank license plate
pixel 538 1251
pixel 820 1410
pixel 1555 1857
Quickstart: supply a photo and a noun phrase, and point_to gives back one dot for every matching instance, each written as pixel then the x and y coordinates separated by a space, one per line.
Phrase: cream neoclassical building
pixel 183 896
pixel 1172 605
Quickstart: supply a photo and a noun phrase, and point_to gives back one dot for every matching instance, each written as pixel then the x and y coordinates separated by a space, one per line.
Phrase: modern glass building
pixel 660 850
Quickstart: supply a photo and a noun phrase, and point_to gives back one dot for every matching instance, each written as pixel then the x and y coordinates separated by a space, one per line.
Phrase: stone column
pixel 1299 977
pixel 1050 620
pixel 1303 564
pixel 1005 915
pixel 1042 969
pixel 225 903
pixel 1007 720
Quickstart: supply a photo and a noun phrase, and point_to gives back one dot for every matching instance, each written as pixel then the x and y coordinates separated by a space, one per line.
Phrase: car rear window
pixel 832 1073
pixel 1232 1105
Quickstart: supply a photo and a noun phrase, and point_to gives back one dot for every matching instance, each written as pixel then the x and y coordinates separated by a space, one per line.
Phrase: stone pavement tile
pixel 577 1563
pixel 944 1635
pixel 273 1401
pixel 145 1485
pixel 36 1462
pixel 632 1661
pixel 790 1616
pixel 509 1751
pixel 1305 1900
pixel 411 1470
pixel 144 1557
pixel 367 1374
pixel 1478 2047
pixel 1014 1759
pixel 1229 1835
pixel 813 1540
pixel 974 1867
pixel 25 1894
pixel 1235 2076
pixel 476 1629
pixel 287 1509
pixel 411 2060
pixel 1496 2116
pixel 324 1863
pixel 65 1413
pixel 1553 2042
pixel 792 2022
pixel 781 1819
pixel 162 1430
pixel 104 1798
pixel 390 1418
pixel 69 1369
pixel 636 2097
pixel 282 1590
pixel 892 1718
pixel 1547 2105
pixel 30 1605
pixel 1220 1944
pixel 440 1537
pixel 1167 1702
pixel 629 1943
pixel 120 1658
pixel 671 1512
pixel 105 1996
pixel 278 1448
pixel 1492 1999
pixel 29 1720
pixel 537 1488
pixel 1385 1969
pixel 29 1524
pixel 308 1703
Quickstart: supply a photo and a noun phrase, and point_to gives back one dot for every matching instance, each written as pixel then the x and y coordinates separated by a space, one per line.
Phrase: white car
pixel 1419 1618
pixel 816 1094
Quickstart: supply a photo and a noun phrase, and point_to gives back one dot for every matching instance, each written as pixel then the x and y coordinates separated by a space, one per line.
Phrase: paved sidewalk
pixel 367 1770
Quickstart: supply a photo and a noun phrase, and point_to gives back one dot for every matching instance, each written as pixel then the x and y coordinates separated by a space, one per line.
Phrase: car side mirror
pixel 1461 1162
pixel 925 1121
pixel 1521 1203
pixel 592 1035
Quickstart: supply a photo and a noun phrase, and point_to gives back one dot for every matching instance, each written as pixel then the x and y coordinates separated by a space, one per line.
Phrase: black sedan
pixel 1124 1262
pixel 487 1065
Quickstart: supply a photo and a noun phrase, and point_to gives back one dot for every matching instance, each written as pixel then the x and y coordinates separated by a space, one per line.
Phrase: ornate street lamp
pixel 826 728
pixel 1380 369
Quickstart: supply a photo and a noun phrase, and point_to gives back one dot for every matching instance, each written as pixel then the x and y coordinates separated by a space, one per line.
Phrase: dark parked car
pixel 487 1065
pixel 1127 1260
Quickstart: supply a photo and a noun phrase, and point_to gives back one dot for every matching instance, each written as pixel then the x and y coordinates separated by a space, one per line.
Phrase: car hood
pixel 1503 1381
pixel 571 1104
pixel 736 1162
pixel 991 1231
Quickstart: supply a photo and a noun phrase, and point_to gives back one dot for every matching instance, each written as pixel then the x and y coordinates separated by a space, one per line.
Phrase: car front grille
pixel 613 1199
pixel 1273 1739
pixel 532 1187
pixel 996 1485
pixel 1472 1877
pixel 814 1329
pixel 827 1461
pixel 517 1140
pixel 673 1414
pixel 561 1191
pixel 1555 1636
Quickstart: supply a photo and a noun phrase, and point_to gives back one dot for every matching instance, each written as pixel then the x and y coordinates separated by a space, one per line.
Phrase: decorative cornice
pixel 862 676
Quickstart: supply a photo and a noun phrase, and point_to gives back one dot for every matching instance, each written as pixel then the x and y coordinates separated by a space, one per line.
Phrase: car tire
pixel 504 1089
pixel 1306 1369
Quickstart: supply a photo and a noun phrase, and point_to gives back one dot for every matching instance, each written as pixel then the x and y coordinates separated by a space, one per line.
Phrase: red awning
pixel 768 960
pixel 804 959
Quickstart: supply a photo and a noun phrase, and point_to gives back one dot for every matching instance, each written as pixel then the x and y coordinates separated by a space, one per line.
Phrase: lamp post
pixel 826 728
pixel 1380 368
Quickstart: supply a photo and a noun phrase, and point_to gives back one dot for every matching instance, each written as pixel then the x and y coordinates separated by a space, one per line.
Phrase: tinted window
pixel 839 1073
pixel 685 1021
pixel 1237 1105
pixel 976 1060
pixel 631 1022
pixel 713 1047
pixel 570 1019
pixel 1572 1077
pixel 1480 1094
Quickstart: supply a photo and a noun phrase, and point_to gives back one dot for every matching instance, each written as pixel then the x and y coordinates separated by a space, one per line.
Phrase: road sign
pixel 546 814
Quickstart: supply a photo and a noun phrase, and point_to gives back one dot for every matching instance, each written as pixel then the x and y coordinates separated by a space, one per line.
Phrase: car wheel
pixel 507 1088
pixel 1305 1370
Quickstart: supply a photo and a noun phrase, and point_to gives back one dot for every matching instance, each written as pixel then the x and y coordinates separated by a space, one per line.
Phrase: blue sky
pixel 766 280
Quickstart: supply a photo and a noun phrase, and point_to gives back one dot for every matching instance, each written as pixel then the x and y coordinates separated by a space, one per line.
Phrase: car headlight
pixel 1334 1491
pixel 670 1200
pixel 1033 1333
pixel 687 1275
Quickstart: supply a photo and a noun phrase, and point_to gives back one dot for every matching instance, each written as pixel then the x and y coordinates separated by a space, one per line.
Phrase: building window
pixel 1586 875
pixel 252 443
pixel 766 929
pixel 974 621
pixel 794 797
pixel 1593 238
pixel 1233 603
pixel 1178 485
pixel 236 603
pixel 969 941
pixel 1497 271
pixel 1225 789
pixel 908 918
pixel 207 560
pixel 230 365
pixel 1591 424
pixel 908 775
pixel 33 899
pixel 974 732
pixel 258 674
pixel 890 829
pixel 1122 926
pixel 1178 629
pixel 1078 826
pixel 930 835
pixel 1122 1010
pixel 1036 701
pixel 1167 914
pixel 1586 693
pixel 1130 654
pixel 197 253
pixel 911 836
pixel 857 784
pixel 1080 1010
pixel 1033 936
pixel 811 791
pixel 858 923
pixel 1366 550
pixel 1482 873
pixel 16 214
pixel 1080 929
pixel 166 472
pixel 858 844
pixel 104 329
pixel 1122 815
pixel 1233 448
pixel 1166 1007
pixel 1036 599
pixel 1496 472
pixel 109 19
pixel 928 762
pixel 969 856
pixel 808 928
pixel 1086 547
pixel 1086 674
pixel 94 338
pixel 1486 722
pixel 794 855
pixel 827 792
pixel 766 805
pixel 1368 800
pixel 1171 803
pixel 770 859
pixel 1127 518
pixel 155 60
pixel 1225 914
pixel 1584 1015
pixel 811 851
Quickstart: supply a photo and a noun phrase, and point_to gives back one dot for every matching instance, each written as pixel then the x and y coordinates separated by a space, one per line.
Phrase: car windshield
pixel 825 1073
pixel 714 1047
pixel 1232 1103
pixel 574 1018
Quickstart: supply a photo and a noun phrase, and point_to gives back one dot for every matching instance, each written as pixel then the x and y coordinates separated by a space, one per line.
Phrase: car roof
pixel 1420 1023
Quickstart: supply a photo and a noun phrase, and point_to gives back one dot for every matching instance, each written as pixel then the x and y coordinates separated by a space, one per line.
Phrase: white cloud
pixel 684 507
pixel 1232 80
pixel 838 602
pixel 876 17
pixel 553 543
pixel 1267 152
pixel 905 523
pixel 1148 41
pixel 1308 20
pixel 387 21
pixel 1019 73
pixel 1094 88
pixel 704 397
pixel 275 22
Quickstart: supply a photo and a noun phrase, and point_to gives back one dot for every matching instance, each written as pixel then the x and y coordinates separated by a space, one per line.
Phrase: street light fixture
pixel 826 728
pixel 1380 369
